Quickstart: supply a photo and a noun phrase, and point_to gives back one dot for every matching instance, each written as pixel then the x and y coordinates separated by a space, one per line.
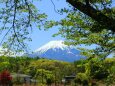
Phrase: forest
pixel 94 72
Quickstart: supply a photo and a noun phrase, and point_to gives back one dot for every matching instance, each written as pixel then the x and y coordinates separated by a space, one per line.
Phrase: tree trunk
pixel 97 15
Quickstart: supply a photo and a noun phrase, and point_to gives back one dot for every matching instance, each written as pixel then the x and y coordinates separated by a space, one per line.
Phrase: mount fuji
pixel 57 50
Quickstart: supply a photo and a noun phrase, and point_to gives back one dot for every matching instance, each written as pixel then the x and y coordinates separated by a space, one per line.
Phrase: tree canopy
pixel 83 25
pixel 17 20
pixel 87 22
pixel 102 33
pixel 90 8
pixel 51 71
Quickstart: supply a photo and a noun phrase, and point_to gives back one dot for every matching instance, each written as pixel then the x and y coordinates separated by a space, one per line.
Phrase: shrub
pixel 82 78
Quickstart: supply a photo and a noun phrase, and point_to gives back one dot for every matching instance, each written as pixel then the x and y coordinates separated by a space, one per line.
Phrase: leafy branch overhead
pixel 17 18
pixel 94 23
pixel 94 13
pixel 87 23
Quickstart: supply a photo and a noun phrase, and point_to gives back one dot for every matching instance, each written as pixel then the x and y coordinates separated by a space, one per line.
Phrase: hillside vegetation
pixel 88 72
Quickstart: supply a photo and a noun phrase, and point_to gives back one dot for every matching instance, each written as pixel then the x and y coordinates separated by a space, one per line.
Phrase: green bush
pixel 82 78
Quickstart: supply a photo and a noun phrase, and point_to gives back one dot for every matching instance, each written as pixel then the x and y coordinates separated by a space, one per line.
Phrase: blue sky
pixel 41 37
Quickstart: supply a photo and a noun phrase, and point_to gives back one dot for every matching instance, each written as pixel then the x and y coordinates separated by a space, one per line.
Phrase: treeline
pixel 95 71
pixel 42 70
pixel 88 72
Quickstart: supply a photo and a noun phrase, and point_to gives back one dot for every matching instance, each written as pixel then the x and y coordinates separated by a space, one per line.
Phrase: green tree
pixel 78 28
pixel 17 17
pixel 97 10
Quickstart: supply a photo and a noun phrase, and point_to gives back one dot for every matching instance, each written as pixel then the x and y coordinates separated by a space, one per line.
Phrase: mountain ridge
pixel 57 50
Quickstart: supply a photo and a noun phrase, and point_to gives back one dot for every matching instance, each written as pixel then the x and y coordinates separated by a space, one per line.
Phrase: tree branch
pixel 13 25
pixel 87 2
pixel 97 15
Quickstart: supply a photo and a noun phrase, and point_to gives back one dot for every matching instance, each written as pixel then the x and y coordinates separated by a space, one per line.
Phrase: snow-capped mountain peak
pixel 52 45
pixel 57 50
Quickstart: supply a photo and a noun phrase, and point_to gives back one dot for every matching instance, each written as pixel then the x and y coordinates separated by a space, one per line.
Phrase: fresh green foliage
pixel 51 71
pixel 80 29
pixel 17 18
pixel 90 22
pixel 95 70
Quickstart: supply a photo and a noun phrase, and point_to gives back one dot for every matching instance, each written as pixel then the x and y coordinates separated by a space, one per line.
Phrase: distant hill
pixel 57 50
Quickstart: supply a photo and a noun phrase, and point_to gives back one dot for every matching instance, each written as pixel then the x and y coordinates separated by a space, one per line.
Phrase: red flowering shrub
pixel 5 77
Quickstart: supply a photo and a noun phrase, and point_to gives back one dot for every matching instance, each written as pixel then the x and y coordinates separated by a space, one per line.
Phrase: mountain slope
pixel 57 50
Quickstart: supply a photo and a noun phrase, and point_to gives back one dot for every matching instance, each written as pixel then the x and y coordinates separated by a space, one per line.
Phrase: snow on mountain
pixel 57 50
pixel 52 45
